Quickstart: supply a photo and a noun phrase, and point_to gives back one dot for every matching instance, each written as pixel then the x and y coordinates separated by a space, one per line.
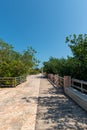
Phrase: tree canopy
pixel 13 63
pixel 76 66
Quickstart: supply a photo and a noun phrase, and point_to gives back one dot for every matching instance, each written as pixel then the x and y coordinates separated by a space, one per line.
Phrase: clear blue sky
pixel 42 24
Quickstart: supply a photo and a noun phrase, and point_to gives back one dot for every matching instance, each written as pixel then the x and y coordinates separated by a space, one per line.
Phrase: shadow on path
pixel 58 112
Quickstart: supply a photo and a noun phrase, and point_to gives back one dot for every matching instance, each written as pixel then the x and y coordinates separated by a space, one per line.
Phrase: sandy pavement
pixel 56 111
pixel 38 105
pixel 18 106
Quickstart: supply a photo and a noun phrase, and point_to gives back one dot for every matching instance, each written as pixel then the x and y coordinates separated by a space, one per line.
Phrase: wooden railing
pixel 56 79
pixel 11 81
pixel 67 83
pixel 61 81
pixel 79 84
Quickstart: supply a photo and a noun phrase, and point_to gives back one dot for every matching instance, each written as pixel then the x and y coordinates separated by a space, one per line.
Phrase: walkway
pixel 18 106
pixel 37 105
pixel 58 112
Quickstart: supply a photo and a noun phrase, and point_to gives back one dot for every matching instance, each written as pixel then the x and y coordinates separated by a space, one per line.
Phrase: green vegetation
pixel 35 71
pixel 13 63
pixel 75 66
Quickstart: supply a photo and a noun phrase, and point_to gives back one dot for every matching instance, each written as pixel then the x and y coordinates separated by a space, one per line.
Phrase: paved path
pixel 37 105
pixel 58 112
pixel 18 106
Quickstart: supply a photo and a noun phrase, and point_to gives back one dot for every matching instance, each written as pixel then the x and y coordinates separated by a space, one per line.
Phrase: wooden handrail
pixel 80 86
pixel 11 81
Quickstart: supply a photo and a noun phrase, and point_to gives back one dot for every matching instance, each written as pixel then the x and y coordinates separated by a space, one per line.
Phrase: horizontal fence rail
pixel 68 84
pixel 56 79
pixel 79 84
pixel 11 81
pixel 75 83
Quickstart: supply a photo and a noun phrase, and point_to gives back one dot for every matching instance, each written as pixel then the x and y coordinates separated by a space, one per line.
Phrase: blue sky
pixel 42 24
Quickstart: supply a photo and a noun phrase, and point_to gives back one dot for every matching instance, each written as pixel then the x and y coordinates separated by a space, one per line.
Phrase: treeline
pixel 76 66
pixel 13 63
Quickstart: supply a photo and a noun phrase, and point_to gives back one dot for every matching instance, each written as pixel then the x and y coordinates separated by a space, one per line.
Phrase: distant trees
pixel 35 71
pixel 58 66
pixel 13 63
pixel 78 46
pixel 75 66
pixel 54 65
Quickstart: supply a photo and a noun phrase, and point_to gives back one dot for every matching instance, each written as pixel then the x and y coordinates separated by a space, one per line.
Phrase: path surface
pixel 58 112
pixel 18 106
pixel 37 105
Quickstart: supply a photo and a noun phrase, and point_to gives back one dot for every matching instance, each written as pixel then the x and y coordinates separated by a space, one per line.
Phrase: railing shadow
pixel 60 110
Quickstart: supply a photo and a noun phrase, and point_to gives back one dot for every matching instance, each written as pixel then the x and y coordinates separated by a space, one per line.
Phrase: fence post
pixel 52 77
pixel 20 79
pixel 55 79
pixel 14 81
pixel 67 81
pixel 58 80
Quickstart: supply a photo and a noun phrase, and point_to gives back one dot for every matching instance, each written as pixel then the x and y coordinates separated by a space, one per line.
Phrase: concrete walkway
pixel 58 112
pixel 18 106
pixel 37 105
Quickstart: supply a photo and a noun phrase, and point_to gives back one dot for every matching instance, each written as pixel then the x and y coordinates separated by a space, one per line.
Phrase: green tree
pixel 29 60
pixel 55 66
pixel 78 46
pixel 13 63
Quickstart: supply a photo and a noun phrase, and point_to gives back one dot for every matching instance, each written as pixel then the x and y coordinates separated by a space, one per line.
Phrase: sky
pixel 42 24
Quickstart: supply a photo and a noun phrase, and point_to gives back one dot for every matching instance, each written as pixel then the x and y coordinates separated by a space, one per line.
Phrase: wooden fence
pixel 11 81
pixel 68 84
pixel 79 84
pixel 56 79
pixel 61 81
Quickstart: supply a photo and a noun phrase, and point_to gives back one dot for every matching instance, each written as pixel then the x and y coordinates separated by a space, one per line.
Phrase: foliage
pixel 78 45
pixel 13 64
pixel 54 66
pixel 75 66
pixel 35 71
